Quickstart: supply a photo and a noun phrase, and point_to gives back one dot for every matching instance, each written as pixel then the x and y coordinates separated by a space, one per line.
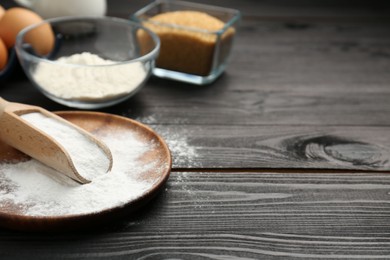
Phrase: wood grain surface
pixel 285 156
pixel 243 215
pixel 316 74
pixel 293 147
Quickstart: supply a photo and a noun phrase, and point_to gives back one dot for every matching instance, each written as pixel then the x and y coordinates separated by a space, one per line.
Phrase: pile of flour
pixel 88 158
pixel 40 191
pixel 105 79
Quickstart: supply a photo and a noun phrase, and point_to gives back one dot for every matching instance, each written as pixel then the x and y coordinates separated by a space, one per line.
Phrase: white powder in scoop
pixel 88 158
pixel 88 83
pixel 41 191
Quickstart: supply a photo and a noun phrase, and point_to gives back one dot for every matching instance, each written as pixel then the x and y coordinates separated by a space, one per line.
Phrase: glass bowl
pixel 87 62
pixel 188 53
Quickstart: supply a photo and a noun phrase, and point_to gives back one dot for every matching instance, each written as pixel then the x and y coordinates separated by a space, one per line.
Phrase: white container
pixel 57 8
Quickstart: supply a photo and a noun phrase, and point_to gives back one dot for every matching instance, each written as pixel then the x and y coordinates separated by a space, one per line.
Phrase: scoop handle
pixel 15 132
pixel 3 104
pixel 17 108
pixel 41 146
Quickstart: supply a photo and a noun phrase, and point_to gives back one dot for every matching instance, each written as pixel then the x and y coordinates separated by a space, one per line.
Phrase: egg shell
pixel 3 55
pixel 15 19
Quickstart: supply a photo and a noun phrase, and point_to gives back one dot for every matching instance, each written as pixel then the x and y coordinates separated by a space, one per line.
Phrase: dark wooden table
pixel 286 155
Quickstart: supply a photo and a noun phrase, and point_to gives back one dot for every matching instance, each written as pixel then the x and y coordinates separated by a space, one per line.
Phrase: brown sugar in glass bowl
pixel 196 39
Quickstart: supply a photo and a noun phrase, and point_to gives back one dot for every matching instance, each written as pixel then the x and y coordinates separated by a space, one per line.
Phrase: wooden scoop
pixel 23 136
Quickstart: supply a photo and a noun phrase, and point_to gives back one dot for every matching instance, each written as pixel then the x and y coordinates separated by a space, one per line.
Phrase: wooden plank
pixel 289 147
pixel 323 74
pixel 311 56
pixel 258 146
pixel 275 9
pixel 166 105
pixel 169 103
pixel 279 9
pixel 248 215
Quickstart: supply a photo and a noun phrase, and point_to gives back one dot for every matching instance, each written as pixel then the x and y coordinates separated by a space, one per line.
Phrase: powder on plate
pixel 68 80
pixel 42 191
pixel 88 158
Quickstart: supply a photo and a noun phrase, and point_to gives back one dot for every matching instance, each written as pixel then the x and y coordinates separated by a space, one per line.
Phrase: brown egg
pixel 3 55
pixel 15 19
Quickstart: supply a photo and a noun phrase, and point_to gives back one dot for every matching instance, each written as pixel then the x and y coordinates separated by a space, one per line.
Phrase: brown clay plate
pixel 14 214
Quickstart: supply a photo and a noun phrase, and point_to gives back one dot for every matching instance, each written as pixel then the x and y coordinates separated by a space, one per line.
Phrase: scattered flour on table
pixel 88 83
pixel 184 155
pixel 41 191
pixel 88 158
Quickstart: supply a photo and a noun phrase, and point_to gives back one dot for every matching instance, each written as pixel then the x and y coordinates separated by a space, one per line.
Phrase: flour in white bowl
pixel 69 78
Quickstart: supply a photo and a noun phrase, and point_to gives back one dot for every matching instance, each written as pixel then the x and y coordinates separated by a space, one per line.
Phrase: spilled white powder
pixel 184 154
pixel 41 191
pixel 88 158
pixel 89 83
